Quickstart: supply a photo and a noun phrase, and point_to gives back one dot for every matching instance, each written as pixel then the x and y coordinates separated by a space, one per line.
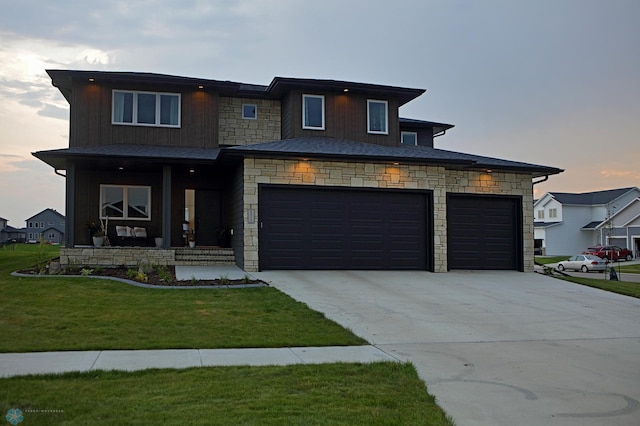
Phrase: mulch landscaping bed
pixel 153 277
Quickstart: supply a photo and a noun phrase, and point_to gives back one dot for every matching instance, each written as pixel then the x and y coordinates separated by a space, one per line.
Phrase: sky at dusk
pixel 551 82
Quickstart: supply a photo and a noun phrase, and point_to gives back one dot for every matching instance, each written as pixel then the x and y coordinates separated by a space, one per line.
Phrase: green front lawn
pixel 624 267
pixel 54 314
pixel 337 394
pixel 620 287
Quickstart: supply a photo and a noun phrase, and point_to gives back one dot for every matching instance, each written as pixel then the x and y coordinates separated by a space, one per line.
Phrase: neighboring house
pixel 300 174
pixel 567 223
pixel 48 224
pixel 9 233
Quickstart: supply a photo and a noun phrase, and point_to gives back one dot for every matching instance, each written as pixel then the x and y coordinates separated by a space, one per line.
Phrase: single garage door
pixel 484 232
pixel 331 228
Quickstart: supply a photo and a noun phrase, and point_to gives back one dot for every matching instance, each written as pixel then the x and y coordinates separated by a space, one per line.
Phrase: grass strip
pixel 337 394
pixel 621 287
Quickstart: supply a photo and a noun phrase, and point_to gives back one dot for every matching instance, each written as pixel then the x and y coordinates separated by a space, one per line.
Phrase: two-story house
pixel 299 174
pixel 9 234
pixel 568 223
pixel 48 225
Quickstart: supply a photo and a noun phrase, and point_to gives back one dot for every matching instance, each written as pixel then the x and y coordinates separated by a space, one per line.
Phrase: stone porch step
pixel 204 256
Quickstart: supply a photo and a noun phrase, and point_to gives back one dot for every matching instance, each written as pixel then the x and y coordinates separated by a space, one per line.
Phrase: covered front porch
pixel 158 205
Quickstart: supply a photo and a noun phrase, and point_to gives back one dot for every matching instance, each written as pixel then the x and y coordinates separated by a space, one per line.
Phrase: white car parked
pixel 584 263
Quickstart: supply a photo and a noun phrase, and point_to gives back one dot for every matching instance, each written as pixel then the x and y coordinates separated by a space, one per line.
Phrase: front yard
pixel 47 314
pixel 61 313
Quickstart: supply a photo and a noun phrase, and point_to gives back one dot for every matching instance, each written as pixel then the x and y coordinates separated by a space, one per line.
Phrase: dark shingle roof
pixel 590 198
pixel 345 149
pixel 63 80
pixel 318 147
pixel 592 225
pixel 56 158
pixel 410 123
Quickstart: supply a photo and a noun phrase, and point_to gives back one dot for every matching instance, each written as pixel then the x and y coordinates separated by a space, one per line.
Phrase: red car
pixel 613 253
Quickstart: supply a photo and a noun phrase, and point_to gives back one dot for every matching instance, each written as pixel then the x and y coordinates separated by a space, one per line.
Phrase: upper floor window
pixel 553 213
pixel 409 138
pixel 125 202
pixel 377 116
pixel 540 214
pixel 146 108
pixel 313 112
pixel 249 111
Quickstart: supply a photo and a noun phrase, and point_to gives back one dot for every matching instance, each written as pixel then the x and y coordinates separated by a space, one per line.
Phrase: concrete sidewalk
pixel 19 364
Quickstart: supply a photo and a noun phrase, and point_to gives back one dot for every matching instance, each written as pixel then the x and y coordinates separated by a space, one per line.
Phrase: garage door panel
pixel 336 228
pixel 484 232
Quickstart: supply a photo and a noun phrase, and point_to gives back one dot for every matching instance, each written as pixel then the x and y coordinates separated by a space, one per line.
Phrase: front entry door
pixel 207 218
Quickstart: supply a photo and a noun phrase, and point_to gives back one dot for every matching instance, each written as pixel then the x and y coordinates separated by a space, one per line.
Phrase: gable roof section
pixel 47 209
pixel 322 147
pixel 590 198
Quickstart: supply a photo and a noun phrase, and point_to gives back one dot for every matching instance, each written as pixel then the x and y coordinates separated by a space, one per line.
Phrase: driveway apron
pixel 495 348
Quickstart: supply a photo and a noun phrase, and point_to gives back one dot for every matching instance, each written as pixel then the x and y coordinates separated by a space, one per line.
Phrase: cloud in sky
pixel 519 82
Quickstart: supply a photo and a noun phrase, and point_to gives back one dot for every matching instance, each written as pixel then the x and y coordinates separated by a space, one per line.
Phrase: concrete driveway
pixel 495 348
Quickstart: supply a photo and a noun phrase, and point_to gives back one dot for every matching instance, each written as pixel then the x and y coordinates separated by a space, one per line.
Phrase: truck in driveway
pixel 612 253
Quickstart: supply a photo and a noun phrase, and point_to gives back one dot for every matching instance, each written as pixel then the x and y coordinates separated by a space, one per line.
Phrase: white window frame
pixel 52 236
pixel 541 214
pixel 553 213
pixel 135 109
pixel 255 112
pixel 42 225
pixel 125 202
pixel 415 134
pixel 386 118
pixel 304 110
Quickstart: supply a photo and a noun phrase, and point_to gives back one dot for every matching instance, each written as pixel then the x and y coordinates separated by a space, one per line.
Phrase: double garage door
pixel 342 228
pixel 330 228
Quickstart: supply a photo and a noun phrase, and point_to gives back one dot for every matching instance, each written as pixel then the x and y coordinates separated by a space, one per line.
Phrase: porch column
pixel 69 206
pixel 166 207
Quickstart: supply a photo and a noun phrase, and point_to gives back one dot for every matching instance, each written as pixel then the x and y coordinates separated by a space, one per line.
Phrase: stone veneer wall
pixel 115 256
pixel 234 130
pixel 379 175
pixel 500 184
